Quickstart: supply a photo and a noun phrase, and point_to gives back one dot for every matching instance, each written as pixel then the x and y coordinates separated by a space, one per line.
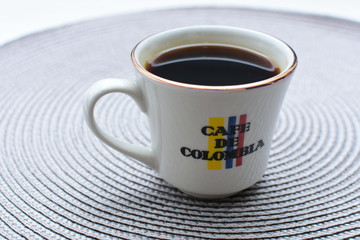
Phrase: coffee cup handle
pixel 131 88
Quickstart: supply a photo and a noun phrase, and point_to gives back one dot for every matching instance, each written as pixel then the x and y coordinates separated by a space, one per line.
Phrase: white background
pixel 22 17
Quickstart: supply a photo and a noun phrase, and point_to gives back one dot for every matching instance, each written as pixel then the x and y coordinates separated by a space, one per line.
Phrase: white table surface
pixel 22 17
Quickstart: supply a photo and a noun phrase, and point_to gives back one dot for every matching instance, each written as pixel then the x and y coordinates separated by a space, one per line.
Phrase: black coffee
pixel 212 65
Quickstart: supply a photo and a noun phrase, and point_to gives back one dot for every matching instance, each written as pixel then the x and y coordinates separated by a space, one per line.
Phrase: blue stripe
pixel 230 147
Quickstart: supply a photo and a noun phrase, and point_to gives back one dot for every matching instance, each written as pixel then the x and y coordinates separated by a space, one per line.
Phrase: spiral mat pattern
pixel 57 181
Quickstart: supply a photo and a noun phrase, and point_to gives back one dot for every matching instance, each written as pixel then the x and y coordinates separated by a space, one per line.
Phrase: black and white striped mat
pixel 57 181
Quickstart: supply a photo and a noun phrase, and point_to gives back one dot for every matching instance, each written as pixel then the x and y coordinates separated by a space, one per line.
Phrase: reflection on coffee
pixel 212 65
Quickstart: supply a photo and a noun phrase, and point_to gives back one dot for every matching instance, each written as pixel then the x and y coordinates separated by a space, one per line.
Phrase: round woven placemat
pixel 57 181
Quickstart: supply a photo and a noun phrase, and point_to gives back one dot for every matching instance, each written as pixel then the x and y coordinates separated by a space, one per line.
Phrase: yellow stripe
pixel 214 164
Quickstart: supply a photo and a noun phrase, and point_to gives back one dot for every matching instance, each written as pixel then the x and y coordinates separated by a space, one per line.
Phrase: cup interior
pixel 262 43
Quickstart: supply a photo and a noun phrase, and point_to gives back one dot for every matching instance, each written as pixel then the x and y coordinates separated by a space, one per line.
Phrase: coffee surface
pixel 212 65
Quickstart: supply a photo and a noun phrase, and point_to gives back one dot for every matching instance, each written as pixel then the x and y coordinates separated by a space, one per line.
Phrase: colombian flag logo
pixel 234 140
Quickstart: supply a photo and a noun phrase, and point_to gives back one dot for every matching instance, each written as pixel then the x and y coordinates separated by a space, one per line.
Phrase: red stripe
pixel 241 138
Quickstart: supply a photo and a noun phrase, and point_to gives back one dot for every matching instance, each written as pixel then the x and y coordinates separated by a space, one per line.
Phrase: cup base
pixel 208 196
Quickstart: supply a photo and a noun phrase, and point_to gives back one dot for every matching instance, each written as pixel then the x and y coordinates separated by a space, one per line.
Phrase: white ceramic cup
pixel 208 141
